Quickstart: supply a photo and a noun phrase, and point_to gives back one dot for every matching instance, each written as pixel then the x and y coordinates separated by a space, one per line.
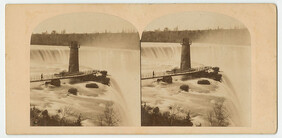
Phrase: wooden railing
pixel 154 74
pixel 46 77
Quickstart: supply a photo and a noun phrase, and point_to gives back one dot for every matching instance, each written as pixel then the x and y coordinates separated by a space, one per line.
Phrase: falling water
pixel 120 64
pixel 233 60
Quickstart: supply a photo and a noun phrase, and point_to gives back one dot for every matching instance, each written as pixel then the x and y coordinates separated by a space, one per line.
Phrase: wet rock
pixel 167 79
pixel 56 82
pixel 216 69
pixel 158 80
pixel 104 73
pixel 218 77
pixel 91 85
pixel 73 91
pixel 184 87
pixel 204 82
pixel 102 79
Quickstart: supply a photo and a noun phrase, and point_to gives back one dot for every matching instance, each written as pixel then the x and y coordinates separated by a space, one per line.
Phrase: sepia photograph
pixel 83 71
pixel 145 69
pixel 196 71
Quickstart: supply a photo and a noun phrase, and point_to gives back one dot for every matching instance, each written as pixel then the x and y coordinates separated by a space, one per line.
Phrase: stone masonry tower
pixel 185 55
pixel 73 61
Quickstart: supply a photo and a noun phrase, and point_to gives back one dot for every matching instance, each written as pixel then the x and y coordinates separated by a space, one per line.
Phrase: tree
pixel 188 119
pixel 109 117
pixel 63 31
pixel 218 116
pixel 174 111
pixel 54 32
pixel 175 29
pixel 166 29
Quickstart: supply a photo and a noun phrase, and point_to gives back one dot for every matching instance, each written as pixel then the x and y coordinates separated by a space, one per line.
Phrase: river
pixel 235 65
pixel 123 69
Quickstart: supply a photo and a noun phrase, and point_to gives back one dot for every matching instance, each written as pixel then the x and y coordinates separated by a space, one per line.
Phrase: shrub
pixel 42 118
pixel 151 116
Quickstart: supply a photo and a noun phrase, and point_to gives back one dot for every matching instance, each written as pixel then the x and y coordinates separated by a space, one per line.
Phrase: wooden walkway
pixel 164 74
pixel 49 77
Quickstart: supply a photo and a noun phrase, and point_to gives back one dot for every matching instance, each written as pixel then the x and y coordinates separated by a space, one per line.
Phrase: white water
pixel 233 60
pixel 122 66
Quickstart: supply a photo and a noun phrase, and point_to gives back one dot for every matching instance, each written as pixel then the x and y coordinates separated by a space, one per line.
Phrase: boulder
pixel 217 77
pixel 167 79
pixel 158 80
pixel 204 82
pixel 56 82
pixel 105 80
pixel 102 79
pixel 184 87
pixel 91 85
pixel 73 91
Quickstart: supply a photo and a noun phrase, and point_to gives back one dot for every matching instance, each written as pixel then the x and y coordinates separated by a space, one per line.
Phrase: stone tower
pixel 185 55
pixel 73 61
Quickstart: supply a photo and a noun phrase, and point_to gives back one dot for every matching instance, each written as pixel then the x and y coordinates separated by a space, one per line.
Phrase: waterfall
pixel 49 54
pixel 233 60
pixel 122 66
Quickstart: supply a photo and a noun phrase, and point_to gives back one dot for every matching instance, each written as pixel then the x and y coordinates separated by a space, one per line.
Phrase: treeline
pixel 223 36
pixel 109 40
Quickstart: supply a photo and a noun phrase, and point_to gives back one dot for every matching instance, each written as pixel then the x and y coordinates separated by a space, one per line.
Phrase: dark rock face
pixel 73 91
pixel 91 85
pixel 217 77
pixel 167 79
pixel 104 73
pixel 102 79
pixel 184 87
pixel 56 82
pixel 204 82
pixel 205 74
pixel 158 80
pixel 216 69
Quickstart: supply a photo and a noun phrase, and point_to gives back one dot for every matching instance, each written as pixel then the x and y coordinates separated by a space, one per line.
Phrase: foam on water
pixel 120 64
pixel 234 63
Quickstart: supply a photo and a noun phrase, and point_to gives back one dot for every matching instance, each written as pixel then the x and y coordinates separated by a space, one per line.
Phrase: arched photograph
pixel 84 71
pixel 196 71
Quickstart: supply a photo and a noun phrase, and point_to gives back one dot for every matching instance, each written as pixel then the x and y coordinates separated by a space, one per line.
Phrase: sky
pixel 194 21
pixel 84 23
pixel 98 22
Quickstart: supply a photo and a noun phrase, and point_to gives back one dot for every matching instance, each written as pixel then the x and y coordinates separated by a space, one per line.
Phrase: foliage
pixel 225 36
pixel 151 116
pixel 109 40
pixel 218 116
pixel 43 118
pixel 109 117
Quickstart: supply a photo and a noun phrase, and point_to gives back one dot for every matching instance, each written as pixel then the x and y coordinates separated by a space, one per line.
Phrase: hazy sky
pixel 194 21
pixel 98 22
pixel 84 23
